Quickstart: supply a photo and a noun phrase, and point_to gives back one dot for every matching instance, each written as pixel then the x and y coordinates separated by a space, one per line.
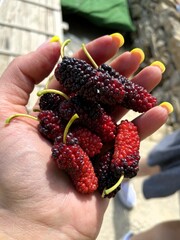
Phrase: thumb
pixel 18 80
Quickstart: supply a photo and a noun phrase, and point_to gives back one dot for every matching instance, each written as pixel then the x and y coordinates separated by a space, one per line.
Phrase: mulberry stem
pixel 44 91
pixel 89 56
pixel 111 189
pixel 73 118
pixel 8 120
pixel 65 43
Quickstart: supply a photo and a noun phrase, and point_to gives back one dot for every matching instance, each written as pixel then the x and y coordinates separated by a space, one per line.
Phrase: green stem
pixel 65 43
pixel 111 189
pixel 73 118
pixel 89 56
pixel 44 91
pixel 8 120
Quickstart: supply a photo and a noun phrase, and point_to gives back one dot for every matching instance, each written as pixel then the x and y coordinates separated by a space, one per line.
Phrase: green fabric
pixel 113 14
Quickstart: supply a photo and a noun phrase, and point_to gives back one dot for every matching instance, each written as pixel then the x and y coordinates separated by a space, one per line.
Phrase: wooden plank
pixel 25 24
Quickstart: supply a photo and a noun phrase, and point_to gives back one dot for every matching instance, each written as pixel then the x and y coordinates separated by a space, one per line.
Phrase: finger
pixel 128 63
pixel 148 78
pixel 152 120
pixel 24 72
pixel 102 49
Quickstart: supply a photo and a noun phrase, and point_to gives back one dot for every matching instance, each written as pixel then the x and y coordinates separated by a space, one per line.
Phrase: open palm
pixel 33 191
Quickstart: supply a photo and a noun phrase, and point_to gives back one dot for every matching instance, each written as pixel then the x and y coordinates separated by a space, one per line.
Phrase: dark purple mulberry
pixel 50 101
pixel 73 73
pixel 91 115
pixel 136 97
pixel 106 178
pixel 50 125
pixel 103 89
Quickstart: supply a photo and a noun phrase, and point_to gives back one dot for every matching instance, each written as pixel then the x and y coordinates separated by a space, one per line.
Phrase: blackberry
pixel 73 73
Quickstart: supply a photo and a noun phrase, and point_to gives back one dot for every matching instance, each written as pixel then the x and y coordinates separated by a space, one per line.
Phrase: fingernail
pixel 119 38
pixel 167 106
pixel 139 52
pixel 54 39
pixel 159 65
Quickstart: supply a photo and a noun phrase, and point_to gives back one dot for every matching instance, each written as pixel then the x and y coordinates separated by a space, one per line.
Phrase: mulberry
pixel 106 178
pixel 126 150
pixel 103 89
pixel 136 97
pixel 91 115
pixel 73 73
pixel 50 101
pixel 89 142
pixel 73 160
pixel 50 125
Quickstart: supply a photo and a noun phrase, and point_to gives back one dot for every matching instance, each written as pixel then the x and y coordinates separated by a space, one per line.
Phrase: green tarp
pixel 113 14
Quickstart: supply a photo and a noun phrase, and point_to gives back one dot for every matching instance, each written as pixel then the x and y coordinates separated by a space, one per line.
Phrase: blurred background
pixel 152 25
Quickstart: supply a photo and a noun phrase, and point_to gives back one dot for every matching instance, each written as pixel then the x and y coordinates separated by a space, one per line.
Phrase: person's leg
pixel 163 231
pixel 127 194
pixel 146 170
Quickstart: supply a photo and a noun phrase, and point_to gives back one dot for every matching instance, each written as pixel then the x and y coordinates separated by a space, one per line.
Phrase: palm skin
pixel 33 191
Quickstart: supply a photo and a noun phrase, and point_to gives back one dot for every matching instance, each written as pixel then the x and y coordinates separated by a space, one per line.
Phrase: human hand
pixel 36 198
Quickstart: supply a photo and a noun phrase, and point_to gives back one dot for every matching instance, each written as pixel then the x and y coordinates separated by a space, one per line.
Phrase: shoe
pixel 128 236
pixel 127 195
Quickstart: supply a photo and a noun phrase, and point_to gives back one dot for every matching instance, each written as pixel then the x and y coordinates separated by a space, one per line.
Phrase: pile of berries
pixel 87 143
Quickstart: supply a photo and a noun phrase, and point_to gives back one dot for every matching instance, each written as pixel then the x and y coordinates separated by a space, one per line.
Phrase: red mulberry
pixel 126 150
pixel 89 142
pixel 78 166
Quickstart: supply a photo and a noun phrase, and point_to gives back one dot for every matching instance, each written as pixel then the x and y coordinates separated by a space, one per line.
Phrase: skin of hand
pixel 38 201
